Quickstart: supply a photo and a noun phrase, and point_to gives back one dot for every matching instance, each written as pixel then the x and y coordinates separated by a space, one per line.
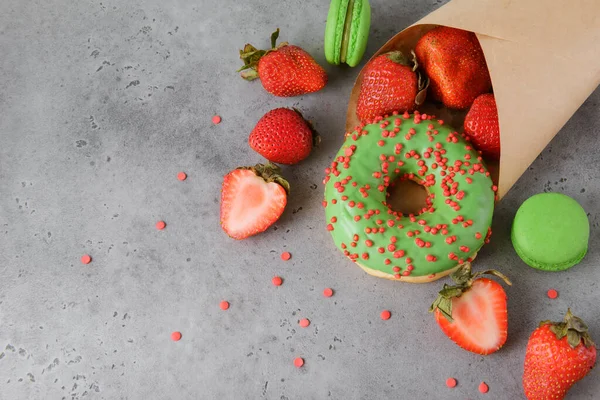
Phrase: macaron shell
pixel 550 232
pixel 359 34
pixel 334 30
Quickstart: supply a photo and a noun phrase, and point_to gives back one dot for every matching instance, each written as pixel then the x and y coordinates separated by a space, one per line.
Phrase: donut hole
pixel 407 196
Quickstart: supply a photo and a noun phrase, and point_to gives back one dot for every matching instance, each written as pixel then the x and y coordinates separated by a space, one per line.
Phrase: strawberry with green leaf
pixel 473 313
pixel 558 355
pixel 284 70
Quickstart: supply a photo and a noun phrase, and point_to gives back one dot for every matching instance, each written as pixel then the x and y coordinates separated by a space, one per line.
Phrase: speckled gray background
pixel 102 103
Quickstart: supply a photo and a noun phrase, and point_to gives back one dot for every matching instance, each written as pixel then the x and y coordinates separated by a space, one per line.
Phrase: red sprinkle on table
pixel 385 315
pixel 160 225
pixel 182 176
pixel 86 259
pixel 483 387
pixel 304 323
pixel 286 255
pixel 216 119
pixel 552 293
pixel 328 292
pixel 299 362
pixel 451 382
pixel 176 336
pixel 277 281
pixel 224 305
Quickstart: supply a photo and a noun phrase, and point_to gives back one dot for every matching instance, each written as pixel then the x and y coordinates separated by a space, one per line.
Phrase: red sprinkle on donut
pixel 385 315
pixel 182 176
pixel 552 293
pixel 160 225
pixel 224 305
pixel 451 382
pixel 176 336
pixel 277 281
pixel 396 269
pixel 299 362
pixel 483 387
pixel 304 322
pixel 369 243
pixel 328 292
pixel 286 255
pixel 329 227
pixel 86 259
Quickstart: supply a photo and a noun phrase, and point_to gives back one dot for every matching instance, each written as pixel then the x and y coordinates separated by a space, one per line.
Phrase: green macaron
pixel 347 31
pixel 550 232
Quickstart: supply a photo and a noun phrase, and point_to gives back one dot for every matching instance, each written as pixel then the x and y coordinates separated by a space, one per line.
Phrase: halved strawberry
pixel 252 199
pixel 473 312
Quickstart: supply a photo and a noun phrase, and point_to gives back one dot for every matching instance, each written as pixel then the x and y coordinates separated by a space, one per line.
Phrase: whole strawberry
pixel 252 199
pixel 390 82
pixel 455 64
pixel 283 136
pixel 473 313
pixel 284 70
pixel 558 355
pixel 481 125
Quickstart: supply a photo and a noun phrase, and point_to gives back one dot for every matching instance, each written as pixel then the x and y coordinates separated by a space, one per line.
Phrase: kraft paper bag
pixel 544 61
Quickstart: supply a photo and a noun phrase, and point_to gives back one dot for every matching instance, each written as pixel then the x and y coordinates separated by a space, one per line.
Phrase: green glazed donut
pixel 412 248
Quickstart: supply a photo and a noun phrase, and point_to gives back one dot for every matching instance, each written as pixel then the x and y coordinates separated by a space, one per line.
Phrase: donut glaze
pixel 414 248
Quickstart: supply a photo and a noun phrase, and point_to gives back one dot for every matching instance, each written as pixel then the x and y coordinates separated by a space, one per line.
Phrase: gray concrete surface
pixel 102 103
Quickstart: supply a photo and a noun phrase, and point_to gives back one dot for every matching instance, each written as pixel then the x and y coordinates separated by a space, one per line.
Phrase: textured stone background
pixel 102 103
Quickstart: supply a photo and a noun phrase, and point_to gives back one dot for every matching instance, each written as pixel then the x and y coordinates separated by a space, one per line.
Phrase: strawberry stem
pixel 464 280
pixel 250 55
pixel 573 328
pixel 270 173
pixel 316 138
pixel 274 37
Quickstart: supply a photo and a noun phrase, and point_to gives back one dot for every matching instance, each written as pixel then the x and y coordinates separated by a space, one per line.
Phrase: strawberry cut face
pixel 479 318
pixel 249 204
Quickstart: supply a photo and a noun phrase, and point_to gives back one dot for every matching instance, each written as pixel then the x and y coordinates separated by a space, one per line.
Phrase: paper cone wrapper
pixel 544 61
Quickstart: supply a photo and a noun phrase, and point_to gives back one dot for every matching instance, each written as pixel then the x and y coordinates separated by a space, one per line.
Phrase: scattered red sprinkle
pixel 385 315
pixel 176 336
pixel 216 119
pixel 451 382
pixel 286 255
pixel 299 362
pixel 160 225
pixel 328 292
pixel 224 305
pixel 552 293
pixel 182 176
pixel 277 281
pixel 304 323
pixel 86 259
pixel 483 387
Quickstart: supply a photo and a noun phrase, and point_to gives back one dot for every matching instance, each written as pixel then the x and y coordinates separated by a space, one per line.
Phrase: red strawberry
pixel 252 199
pixel 473 313
pixel 283 136
pixel 284 70
pixel 455 64
pixel 558 355
pixel 389 83
pixel 481 125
